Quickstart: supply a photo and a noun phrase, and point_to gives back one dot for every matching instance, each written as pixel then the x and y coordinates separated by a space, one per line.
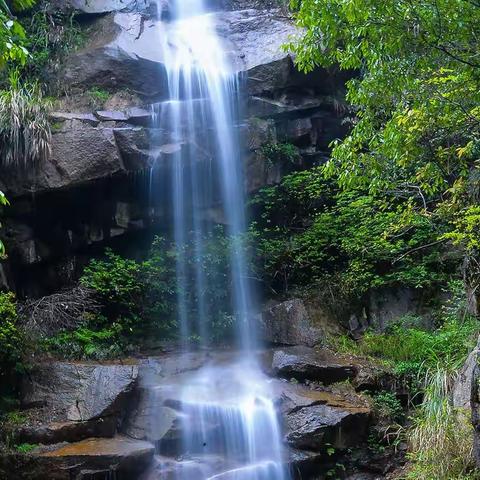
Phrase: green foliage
pixel 3 203
pixel 12 348
pixel 280 153
pixel 10 337
pixel 25 136
pixel 441 437
pixel 309 231
pixel 139 298
pixel 387 405
pixel 117 282
pixel 25 448
pixel 12 34
pixel 85 343
pixel 98 95
pixel 415 100
pixel 50 36
pixel 448 345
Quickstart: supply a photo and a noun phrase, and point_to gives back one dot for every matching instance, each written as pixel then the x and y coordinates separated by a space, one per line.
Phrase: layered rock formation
pixel 95 187
pixel 89 420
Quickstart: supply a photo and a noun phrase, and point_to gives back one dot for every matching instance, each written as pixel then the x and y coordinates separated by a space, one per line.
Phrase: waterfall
pixel 226 407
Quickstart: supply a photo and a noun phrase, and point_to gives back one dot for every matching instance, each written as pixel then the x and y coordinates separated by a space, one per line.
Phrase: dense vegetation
pixel 405 186
pixel 395 206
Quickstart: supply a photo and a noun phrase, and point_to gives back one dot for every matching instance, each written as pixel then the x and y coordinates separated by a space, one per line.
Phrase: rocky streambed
pixel 94 420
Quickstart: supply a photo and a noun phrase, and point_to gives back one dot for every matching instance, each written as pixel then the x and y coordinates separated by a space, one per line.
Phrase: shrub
pixel 98 96
pixel 449 344
pixel 388 406
pixel 117 282
pixel 85 343
pixel 64 310
pixel 25 448
pixel 280 153
pixel 141 297
pixel 12 348
pixel 10 337
pixel 50 36
pixel 308 232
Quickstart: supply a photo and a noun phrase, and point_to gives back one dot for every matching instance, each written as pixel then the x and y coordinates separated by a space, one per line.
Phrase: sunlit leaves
pixel 416 94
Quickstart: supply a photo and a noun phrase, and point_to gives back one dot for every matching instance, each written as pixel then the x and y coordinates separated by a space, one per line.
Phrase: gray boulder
pixel 289 323
pixel 120 454
pixel 313 418
pixel 257 37
pixel 90 458
pixel 152 420
pixel 98 6
pixel 122 53
pixel 125 52
pixel 79 392
pixel 303 363
pixel 463 386
pixel 314 426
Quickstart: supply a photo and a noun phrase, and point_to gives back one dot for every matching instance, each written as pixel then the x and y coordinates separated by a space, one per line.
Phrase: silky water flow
pixel 228 423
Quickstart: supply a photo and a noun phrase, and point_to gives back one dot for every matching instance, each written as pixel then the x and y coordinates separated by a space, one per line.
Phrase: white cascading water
pixel 226 407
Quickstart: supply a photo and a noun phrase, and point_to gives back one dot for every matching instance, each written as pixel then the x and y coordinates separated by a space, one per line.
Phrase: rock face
pixel 80 392
pixel 76 401
pixel 97 186
pixel 91 458
pixel 289 323
pixel 100 418
pixel 304 363
pixel 316 418
pixel 461 394
pixel 464 383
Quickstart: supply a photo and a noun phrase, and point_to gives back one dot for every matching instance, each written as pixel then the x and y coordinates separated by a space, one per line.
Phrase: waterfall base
pixel 221 424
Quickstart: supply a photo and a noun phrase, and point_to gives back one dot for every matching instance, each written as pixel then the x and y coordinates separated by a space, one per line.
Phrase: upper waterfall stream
pixel 228 424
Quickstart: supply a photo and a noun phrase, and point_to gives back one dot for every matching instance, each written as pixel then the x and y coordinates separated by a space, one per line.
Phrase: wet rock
pixel 80 153
pixel 314 426
pixel 304 463
pixel 260 471
pixel 79 392
pixel 58 432
pixel 120 454
pixel 192 467
pixel 139 116
pixel 122 53
pixel 91 458
pixel 134 145
pixel 475 404
pixel 373 378
pixel 313 418
pixel 289 323
pixel 388 306
pixel 152 420
pixel 258 36
pixel 304 363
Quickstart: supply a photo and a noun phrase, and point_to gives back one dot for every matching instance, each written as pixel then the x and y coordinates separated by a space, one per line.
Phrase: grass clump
pixel 25 134
pixel 441 438
pixel 98 96
pixel 25 448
